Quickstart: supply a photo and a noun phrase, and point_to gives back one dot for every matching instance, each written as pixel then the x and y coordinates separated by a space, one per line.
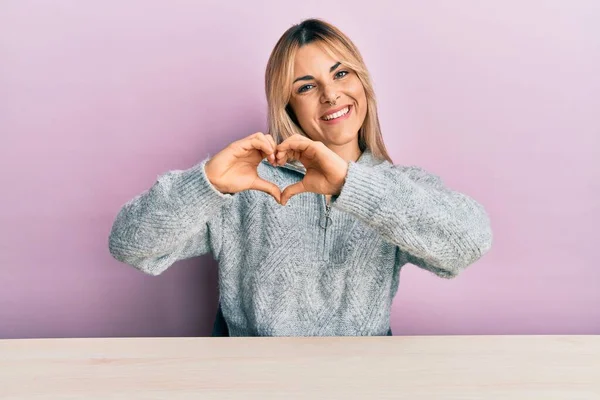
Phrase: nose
pixel 329 94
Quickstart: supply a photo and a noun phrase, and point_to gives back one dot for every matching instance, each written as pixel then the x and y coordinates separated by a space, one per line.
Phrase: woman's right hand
pixel 234 169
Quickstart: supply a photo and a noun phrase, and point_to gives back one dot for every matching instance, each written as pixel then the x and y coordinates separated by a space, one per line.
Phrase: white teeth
pixel 337 114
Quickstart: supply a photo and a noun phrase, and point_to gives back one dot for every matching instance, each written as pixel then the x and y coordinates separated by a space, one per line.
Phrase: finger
pixel 262 145
pixel 281 157
pixel 296 145
pixel 258 135
pixel 271 140
pixel 268 139
pixel 267 187
pixel 285 156
pixel 296 148
pixel 283 153
pixel 259 144
pixel 265 138
pixel 295 138
pixel 292 190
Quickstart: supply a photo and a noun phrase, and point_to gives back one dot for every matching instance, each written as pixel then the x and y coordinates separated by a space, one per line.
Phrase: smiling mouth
pixel 339 113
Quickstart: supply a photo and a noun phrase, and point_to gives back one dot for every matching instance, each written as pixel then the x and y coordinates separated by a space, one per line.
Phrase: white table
pixel 373 368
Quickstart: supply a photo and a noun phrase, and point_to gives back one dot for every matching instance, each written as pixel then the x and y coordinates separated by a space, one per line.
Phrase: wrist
pixel 211 180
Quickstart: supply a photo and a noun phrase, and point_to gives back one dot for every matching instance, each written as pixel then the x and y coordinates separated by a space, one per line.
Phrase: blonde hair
pixel 282 122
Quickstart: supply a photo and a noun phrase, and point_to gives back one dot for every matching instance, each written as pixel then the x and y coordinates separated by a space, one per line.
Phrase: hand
pixel 234 169
pixel 325 170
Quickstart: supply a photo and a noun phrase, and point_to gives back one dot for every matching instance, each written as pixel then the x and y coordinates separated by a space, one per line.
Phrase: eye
pixel 339 75
pixel 303 89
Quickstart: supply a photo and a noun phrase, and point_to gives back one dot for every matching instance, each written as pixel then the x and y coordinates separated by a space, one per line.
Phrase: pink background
pixel 98 98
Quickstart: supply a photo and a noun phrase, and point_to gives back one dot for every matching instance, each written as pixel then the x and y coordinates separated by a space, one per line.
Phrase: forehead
pixel 312 59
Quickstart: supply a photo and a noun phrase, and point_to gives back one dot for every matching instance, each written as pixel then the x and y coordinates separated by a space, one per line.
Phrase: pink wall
pixel 97 100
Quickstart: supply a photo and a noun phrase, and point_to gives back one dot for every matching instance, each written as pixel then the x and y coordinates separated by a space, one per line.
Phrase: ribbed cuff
pixel 196 190
pixel 363 191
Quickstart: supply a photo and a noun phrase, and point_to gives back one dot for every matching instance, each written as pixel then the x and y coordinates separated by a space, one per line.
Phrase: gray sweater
pixel 309 268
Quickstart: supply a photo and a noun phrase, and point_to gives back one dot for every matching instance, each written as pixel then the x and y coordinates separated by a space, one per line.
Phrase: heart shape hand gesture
pixel 234 169
pixel 325 170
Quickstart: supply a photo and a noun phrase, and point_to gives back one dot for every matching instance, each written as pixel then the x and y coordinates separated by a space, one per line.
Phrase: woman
pixel 312 223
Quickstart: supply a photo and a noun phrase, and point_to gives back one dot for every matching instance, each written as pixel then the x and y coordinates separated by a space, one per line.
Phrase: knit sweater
pixel 308 268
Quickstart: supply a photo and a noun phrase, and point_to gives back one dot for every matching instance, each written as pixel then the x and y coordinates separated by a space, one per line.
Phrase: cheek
pixel 309 116
pixel 355 88
pixel 305 113
pixel 360 94
pixel 361 98
pixel 302 110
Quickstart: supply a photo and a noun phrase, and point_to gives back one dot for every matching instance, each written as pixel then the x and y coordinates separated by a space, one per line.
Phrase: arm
pixel 440 230
pixel 177 218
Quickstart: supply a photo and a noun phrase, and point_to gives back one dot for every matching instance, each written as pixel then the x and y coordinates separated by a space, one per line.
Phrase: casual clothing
pixel 307 268
pixel 220 326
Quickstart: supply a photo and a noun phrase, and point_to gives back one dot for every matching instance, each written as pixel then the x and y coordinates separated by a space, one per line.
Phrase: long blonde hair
pixel 282 122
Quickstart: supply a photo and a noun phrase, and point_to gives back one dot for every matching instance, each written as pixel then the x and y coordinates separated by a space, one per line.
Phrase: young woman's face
pixel 318 78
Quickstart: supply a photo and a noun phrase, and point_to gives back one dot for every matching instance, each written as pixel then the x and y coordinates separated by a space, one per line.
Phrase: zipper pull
pixel 326 220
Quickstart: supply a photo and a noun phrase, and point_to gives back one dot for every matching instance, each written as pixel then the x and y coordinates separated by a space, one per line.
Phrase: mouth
pixel 337 114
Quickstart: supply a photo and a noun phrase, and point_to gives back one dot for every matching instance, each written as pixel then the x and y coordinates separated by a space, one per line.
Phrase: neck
pixel 349 152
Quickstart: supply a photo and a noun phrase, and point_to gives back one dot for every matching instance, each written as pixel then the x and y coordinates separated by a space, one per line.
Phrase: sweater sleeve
pixel 177 218
pixel 438 229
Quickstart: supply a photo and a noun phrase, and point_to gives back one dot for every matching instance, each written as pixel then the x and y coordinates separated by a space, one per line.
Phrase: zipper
pixel 325 222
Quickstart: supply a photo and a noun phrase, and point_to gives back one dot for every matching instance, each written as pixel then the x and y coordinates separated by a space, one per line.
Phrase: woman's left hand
pixel 325 170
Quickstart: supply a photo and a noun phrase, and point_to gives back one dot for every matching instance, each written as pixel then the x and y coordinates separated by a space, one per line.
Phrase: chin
pixel 343 140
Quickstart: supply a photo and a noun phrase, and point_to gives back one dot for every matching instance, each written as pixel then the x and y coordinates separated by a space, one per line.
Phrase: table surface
pixel 411 367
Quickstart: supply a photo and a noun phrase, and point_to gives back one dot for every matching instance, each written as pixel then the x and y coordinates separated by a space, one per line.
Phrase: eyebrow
pixel 310 77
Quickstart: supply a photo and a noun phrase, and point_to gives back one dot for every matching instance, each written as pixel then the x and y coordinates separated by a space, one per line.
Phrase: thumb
pixel 292 190
pixel 267 187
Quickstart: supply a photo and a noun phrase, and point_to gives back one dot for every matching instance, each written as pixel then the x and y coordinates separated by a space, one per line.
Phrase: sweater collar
pixel 365 158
